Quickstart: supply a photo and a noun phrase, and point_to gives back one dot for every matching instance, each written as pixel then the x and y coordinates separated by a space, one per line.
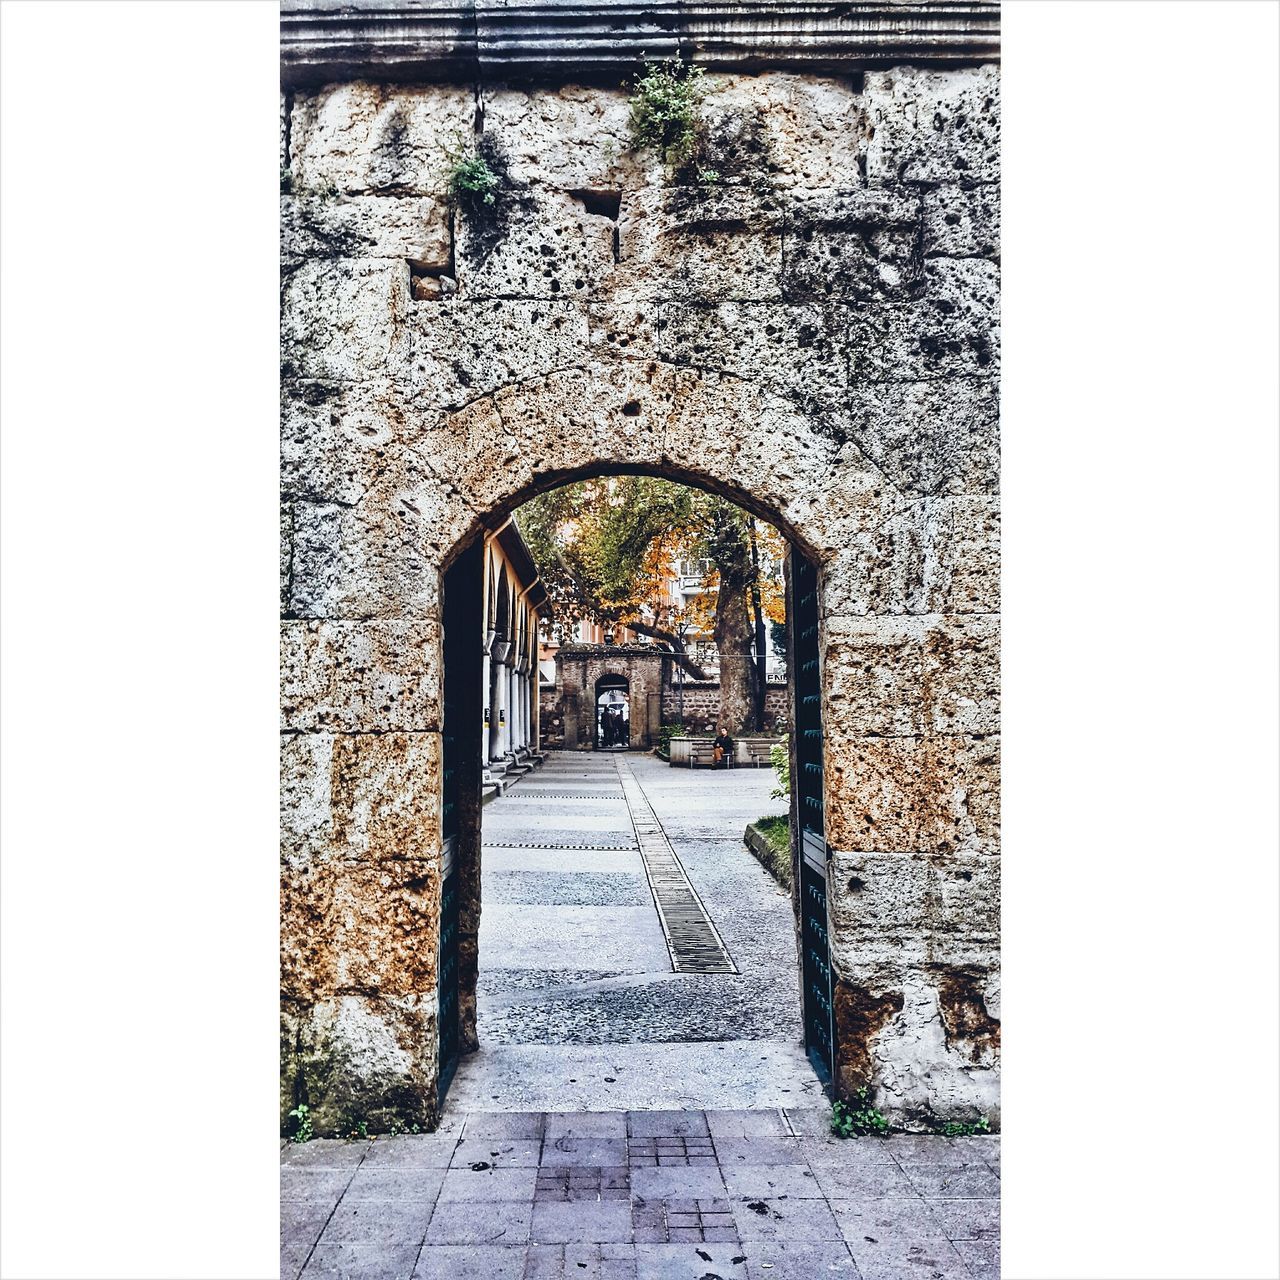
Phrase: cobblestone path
pixel 578 1004
pixel 643 1195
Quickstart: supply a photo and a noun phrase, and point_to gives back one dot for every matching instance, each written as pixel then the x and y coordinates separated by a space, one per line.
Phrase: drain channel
pixel 613 796
pixel 692 940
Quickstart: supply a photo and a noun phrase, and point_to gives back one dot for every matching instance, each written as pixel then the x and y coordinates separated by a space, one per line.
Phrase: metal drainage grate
pixel 693 941
pixel 563 795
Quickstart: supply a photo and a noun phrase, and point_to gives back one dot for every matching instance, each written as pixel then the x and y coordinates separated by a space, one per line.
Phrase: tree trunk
pixel 733 635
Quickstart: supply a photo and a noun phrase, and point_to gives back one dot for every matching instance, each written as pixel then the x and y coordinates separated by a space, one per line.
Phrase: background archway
pixel 612 699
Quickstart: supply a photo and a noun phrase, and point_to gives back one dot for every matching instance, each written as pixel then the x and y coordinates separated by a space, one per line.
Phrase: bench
pixel 757 753
pixel 702 752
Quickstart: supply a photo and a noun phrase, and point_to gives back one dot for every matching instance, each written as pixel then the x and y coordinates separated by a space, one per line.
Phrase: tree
pixel 604 548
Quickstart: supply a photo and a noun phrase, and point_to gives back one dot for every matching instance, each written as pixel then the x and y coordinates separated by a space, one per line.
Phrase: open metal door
pixel 815 958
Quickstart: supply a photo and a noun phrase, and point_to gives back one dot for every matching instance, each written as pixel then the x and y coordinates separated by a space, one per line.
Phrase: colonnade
pixel 513 598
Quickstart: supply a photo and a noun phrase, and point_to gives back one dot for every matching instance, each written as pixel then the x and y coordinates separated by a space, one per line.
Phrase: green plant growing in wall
pixel 355 1129
pixel 965 1128
pixel 858 1118
pixel 302 1130
pixel 780 758
pixel 470 179
pixel 664 110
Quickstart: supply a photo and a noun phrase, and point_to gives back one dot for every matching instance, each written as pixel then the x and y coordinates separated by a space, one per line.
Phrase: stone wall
pixel 700 700
pixel 814 335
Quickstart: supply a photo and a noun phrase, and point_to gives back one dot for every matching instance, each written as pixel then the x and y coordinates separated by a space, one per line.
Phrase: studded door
pixel 815 960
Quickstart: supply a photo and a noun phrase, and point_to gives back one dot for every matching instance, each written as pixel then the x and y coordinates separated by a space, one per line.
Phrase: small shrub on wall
pixel 664 109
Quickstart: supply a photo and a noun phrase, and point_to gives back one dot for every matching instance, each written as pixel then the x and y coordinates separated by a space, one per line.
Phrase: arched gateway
pixel 814 339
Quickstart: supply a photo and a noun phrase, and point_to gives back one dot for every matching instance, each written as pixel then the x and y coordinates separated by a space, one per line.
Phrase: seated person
pixel 722 748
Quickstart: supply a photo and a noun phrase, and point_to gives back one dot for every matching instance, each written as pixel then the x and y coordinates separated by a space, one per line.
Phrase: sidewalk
pixel 641 1195
pixel 579 1003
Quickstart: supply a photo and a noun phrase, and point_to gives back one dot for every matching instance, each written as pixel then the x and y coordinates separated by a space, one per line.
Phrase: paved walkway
pixel 641 1195
pixel 579 1007
pixel 625 1121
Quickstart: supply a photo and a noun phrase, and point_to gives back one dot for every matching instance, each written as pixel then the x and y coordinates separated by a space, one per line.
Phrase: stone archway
pixel 854 411
pixel 361 964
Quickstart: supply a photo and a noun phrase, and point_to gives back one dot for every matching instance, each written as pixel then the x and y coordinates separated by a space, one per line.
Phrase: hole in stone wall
pixel 431 281
pixel 856 885
pixel 601 204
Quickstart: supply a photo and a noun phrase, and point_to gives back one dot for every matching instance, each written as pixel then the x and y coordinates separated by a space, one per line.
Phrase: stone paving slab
pixel 626 939
pixel 568 888
pixel 621 1077
pixel 387 1208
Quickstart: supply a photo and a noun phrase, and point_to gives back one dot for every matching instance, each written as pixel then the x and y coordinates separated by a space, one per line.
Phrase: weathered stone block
pixel 336 439
pixel 535 244
pixel 877 567
pixel 905 675
pixel 351 676
pixel 862 1008
pixel 922 1071
pixel 286 554
pixel 367 797
pixel 961 671
pixel 933 126
pixel 570 137
pixel 962 222
pixel 906 795
pixel 452 353
pixel 699 244
pixel 966 902
pixel 935 437
pixel 785 130
pixel 644 414
pixel 359 926
pixel 953 332
pixel 338 317
pixel 380 557
pixel 759 448
pixel 413 229
pixel 356 1057
pixel 626 330
pixel 962 569
pixel 893 908
pixel 854 246
pixel 874 670
pixel 968 288
pixel 564 420
pixel 372 138
pixel 878 901
pixel 795 350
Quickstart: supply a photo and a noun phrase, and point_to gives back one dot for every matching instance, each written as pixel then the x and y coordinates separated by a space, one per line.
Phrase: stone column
pixel 501 708
pixel 486 692
pixel 523 680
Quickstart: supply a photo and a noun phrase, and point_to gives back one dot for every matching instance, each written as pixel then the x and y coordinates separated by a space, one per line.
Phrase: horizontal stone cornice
pixel 322 41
